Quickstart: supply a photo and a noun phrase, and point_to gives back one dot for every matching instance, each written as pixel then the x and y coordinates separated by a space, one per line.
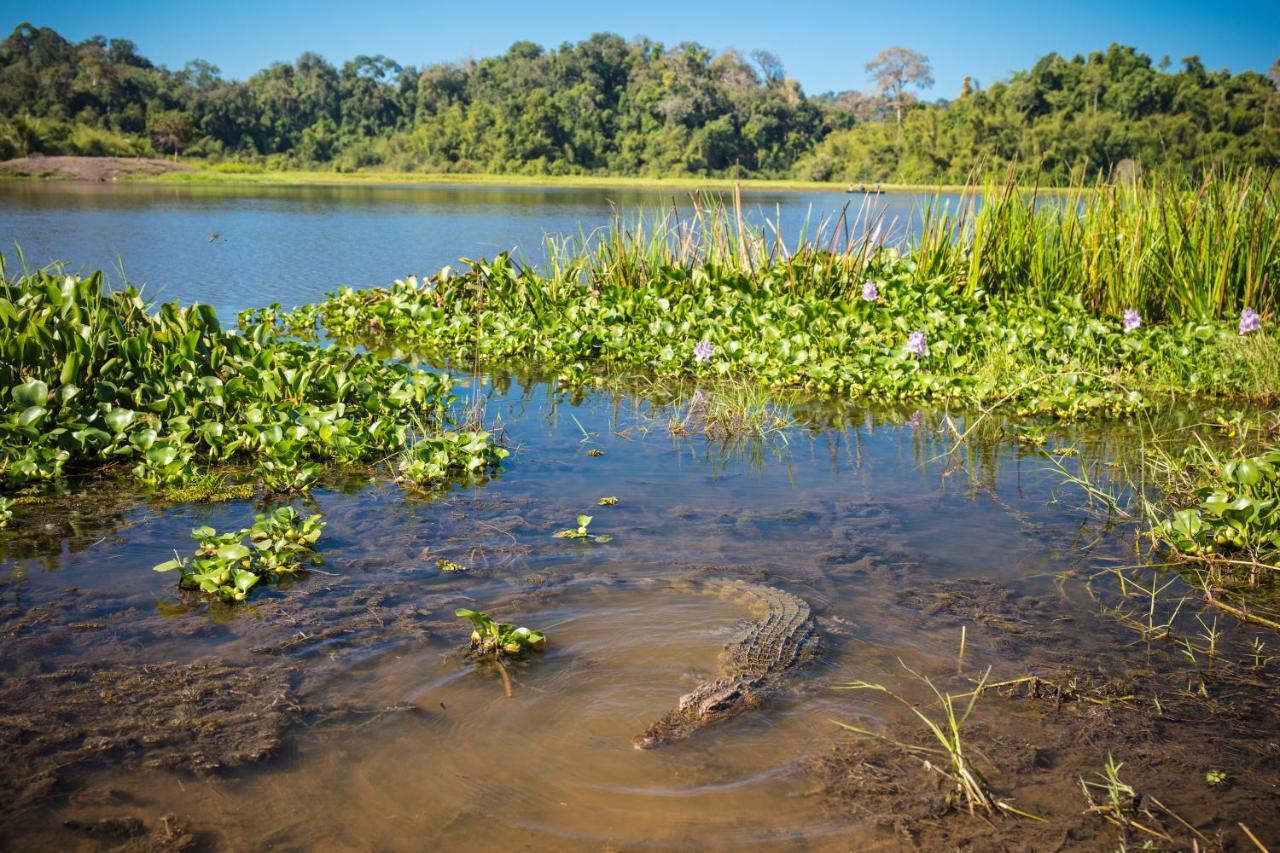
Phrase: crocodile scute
pixel 764 653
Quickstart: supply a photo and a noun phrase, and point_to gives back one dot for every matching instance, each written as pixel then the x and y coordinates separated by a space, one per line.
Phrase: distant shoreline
pixel 194 173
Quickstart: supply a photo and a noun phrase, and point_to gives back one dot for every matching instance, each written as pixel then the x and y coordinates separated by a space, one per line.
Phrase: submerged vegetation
pixel 1098 304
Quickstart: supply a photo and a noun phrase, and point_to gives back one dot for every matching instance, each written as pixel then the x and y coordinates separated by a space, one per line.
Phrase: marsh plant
pixel 968 788
pixel 492 641
pixel 580 532
pixel 1236 508
pixel 490 637
pixel 229 565
pixel 1098 303
pixel 92 378
pixel 431 459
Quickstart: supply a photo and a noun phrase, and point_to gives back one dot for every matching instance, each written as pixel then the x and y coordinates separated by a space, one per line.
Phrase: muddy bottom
pixel 341 712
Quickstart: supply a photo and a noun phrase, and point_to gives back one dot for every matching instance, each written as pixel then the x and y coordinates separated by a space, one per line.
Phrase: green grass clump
pixel 91 378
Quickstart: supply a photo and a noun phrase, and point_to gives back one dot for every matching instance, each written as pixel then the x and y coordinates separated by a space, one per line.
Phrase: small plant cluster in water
pixel 431 459
pixel 489 637
pixel 279 544
pixel 580 532
pixel 1238 510
pixel 91 378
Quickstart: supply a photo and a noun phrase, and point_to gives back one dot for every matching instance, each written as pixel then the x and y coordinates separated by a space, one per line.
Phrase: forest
pixel 609 106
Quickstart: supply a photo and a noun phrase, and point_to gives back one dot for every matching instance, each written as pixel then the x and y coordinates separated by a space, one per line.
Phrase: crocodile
pixel 752 665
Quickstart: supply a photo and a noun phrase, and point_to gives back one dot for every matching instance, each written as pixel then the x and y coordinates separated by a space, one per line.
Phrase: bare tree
pixel 896 68
pixel 769 64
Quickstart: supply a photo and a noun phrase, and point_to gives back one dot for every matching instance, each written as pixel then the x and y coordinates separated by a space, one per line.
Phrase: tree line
pixel 606 105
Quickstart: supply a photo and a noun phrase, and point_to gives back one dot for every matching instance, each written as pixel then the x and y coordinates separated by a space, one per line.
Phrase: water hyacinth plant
pixel 1131 321
pixel 1249 321
pixel 91 378
pixel 916 344
pixel 279 544
pixel 580 532
pixel 795 315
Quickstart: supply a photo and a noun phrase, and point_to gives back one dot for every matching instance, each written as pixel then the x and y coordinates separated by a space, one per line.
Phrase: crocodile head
pixel 714 701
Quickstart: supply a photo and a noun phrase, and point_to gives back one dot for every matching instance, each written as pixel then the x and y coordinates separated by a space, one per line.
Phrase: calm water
pixel 293 244
pixel 405 745
pixel 338 713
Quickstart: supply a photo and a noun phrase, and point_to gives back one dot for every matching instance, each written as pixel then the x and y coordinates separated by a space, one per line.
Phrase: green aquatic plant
pixel 492 641
pixel 1042 335
pixel 6 511
pixel 91 378
pixel 1236 509
pixel 489 637
pixel 609 501
pixel 279 544
pixel 580 532
pixel 449 566
pixel 432 459
pixel 1119 803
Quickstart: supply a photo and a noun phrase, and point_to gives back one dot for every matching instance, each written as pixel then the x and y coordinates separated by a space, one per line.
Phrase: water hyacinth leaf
pixel 32 415
pixel 1187 522
pixel 162 454
pixel 143 439
pixel 119 419
pixel 233 552
pixel 245 580
pixel 33 393
pixel 168 565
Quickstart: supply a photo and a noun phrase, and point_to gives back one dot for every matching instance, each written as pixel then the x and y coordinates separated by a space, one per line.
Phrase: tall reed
pixel 1173 250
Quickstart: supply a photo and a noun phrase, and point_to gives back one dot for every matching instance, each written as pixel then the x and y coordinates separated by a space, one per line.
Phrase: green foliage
pixel 89 378
pixel 1237 511
pixel 1001 328
pixel 609 106
pixel 223 565
pixel 498 638
pixel 434 458
pixel 6 511
pixel 580 532
pixel 1106 115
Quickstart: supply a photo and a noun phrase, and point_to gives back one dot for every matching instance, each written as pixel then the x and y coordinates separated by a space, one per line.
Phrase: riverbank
pixel 97 169
pixel 155 170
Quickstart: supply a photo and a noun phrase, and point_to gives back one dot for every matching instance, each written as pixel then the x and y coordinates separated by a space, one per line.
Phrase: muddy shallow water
pixel 340 713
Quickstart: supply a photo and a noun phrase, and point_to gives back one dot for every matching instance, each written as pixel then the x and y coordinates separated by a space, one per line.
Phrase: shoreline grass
pixel 230 174
pixel 1000 299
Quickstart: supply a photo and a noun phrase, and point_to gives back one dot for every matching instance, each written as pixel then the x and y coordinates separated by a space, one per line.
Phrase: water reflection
pixel 243 247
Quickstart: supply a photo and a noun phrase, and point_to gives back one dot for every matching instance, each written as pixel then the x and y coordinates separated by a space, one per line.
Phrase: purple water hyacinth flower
pixel 1250 321
pixel 917 344
pixel 914 421
pixel 869 291
pixel 1131 319
pixel 702 352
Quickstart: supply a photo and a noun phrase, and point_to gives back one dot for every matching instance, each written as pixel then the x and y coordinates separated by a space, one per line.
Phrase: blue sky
pixel 824 45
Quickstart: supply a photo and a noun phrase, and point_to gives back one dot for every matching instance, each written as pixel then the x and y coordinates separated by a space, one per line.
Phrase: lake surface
pixel 238 248
pixel 340 712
